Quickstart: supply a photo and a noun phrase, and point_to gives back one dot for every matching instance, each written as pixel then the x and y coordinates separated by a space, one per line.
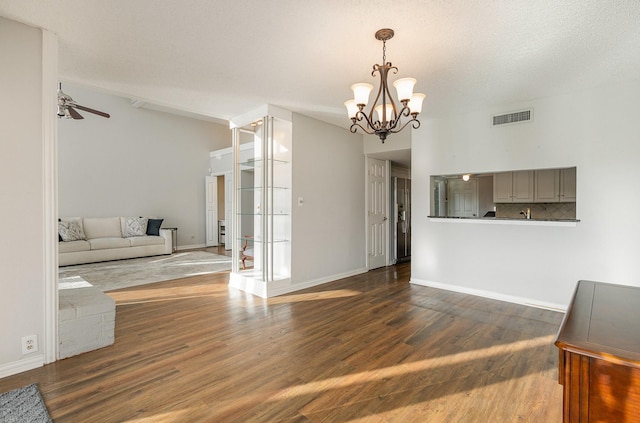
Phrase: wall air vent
pixel 514 117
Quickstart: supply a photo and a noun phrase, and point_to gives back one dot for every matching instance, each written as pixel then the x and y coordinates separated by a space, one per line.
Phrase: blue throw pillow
pixel 153 226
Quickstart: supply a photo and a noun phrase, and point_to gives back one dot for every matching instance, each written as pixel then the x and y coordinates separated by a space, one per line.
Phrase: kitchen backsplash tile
pixel 538 210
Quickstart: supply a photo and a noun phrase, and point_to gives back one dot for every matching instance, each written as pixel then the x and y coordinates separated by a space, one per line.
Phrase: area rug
pixel 23 405
pixel 119 274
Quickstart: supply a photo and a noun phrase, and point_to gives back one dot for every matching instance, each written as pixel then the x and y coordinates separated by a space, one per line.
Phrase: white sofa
pixel 108 238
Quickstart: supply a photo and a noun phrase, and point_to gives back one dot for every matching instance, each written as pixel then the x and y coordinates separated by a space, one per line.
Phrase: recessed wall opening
pixel 538 194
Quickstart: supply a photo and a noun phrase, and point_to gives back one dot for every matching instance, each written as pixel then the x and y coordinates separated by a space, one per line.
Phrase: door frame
pixel 211 211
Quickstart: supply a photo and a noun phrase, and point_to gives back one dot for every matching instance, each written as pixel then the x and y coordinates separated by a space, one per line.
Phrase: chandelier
pixel 389 118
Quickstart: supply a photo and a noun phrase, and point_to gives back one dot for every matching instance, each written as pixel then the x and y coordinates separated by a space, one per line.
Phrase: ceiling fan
pixel 67 107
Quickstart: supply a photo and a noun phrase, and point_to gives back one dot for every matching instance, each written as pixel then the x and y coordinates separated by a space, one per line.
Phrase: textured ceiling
pixel 224 58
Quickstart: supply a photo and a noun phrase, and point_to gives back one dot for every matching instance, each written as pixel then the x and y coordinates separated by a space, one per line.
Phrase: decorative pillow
pixel 70 231
pixel 153 226
pixel 135 226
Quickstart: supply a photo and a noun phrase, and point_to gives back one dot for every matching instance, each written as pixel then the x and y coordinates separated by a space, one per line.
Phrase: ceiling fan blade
pixel 97 112
pixel 74 114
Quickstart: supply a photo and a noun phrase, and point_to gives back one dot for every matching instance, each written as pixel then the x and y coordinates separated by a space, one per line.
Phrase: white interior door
pixel 377 210
pixel 463 198
pixel 211 200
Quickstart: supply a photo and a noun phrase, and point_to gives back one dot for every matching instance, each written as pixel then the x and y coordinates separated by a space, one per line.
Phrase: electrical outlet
pixel 29 344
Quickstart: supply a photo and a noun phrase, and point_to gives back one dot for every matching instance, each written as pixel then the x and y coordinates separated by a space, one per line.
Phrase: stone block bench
pixel 86 319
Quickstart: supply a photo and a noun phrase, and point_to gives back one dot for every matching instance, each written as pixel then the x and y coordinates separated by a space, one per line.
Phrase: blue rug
pixel 23 405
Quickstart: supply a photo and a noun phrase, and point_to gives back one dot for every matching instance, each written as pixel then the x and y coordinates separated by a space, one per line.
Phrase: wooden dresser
pixel 599 343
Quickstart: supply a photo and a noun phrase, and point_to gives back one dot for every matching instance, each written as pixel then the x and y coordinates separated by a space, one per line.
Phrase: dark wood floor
pixel 367 348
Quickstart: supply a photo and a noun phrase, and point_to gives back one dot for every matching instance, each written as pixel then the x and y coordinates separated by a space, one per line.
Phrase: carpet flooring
pixel 23 405
pixel 119 274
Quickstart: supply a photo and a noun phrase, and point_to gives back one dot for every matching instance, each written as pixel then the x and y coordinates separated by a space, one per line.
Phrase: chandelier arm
pixel 383 91
pixel 373 124
pixel 354 128
pixel 415 124
pixel 380 70
pixel 405 109
pixel 404 112
pixel 396 116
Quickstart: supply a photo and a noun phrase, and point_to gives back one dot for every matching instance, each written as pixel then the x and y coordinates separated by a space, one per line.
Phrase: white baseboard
pixel 315 282
pixel 23 365
pixel 190 247
pixel 493 295
pixel 284 286
pixel 250 285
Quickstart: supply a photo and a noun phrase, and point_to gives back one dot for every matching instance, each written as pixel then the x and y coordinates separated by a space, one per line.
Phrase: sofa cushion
pixel 138 241
pixel 70 231
pixel 134 226
pixel 78 220
pixel 105 243
pixel 153 226
pixel 73 246
pixel 102 227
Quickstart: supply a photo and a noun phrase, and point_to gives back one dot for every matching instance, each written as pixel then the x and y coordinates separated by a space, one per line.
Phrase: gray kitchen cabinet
pixel 513 187
pixel 547 186
pixel 568 185
pixel 555 185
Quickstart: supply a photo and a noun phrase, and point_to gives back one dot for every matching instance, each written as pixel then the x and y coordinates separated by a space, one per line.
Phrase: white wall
pixel 596 130
pixel 137 163
pixel 328 231
pixel 21 195
pixel 399 141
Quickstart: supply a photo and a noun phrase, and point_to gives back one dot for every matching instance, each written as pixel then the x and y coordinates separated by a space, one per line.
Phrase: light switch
pixel 300 202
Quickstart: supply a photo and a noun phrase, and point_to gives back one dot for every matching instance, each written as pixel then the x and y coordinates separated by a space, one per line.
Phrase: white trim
pixel 493 295
pixel 260 113
pixel 387 194
pixel 22 365
pixel 190 247
pixel 50 194
pixel 492 221
pixel 248 285
pixel 283 286
pixel 366 211
pixel 315 282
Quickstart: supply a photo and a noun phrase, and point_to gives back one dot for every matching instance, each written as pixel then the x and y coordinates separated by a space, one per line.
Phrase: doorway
pixel 218 203
pixel 388 208
pixel 401 203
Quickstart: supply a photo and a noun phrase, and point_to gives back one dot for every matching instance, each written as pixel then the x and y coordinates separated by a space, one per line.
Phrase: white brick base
pixel 86 319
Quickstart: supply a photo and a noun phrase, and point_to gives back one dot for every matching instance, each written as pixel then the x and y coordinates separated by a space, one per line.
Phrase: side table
pixel 174 239
pixel 599 361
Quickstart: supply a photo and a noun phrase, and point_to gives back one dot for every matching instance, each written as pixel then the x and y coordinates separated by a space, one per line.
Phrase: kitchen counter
pixel 506 221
